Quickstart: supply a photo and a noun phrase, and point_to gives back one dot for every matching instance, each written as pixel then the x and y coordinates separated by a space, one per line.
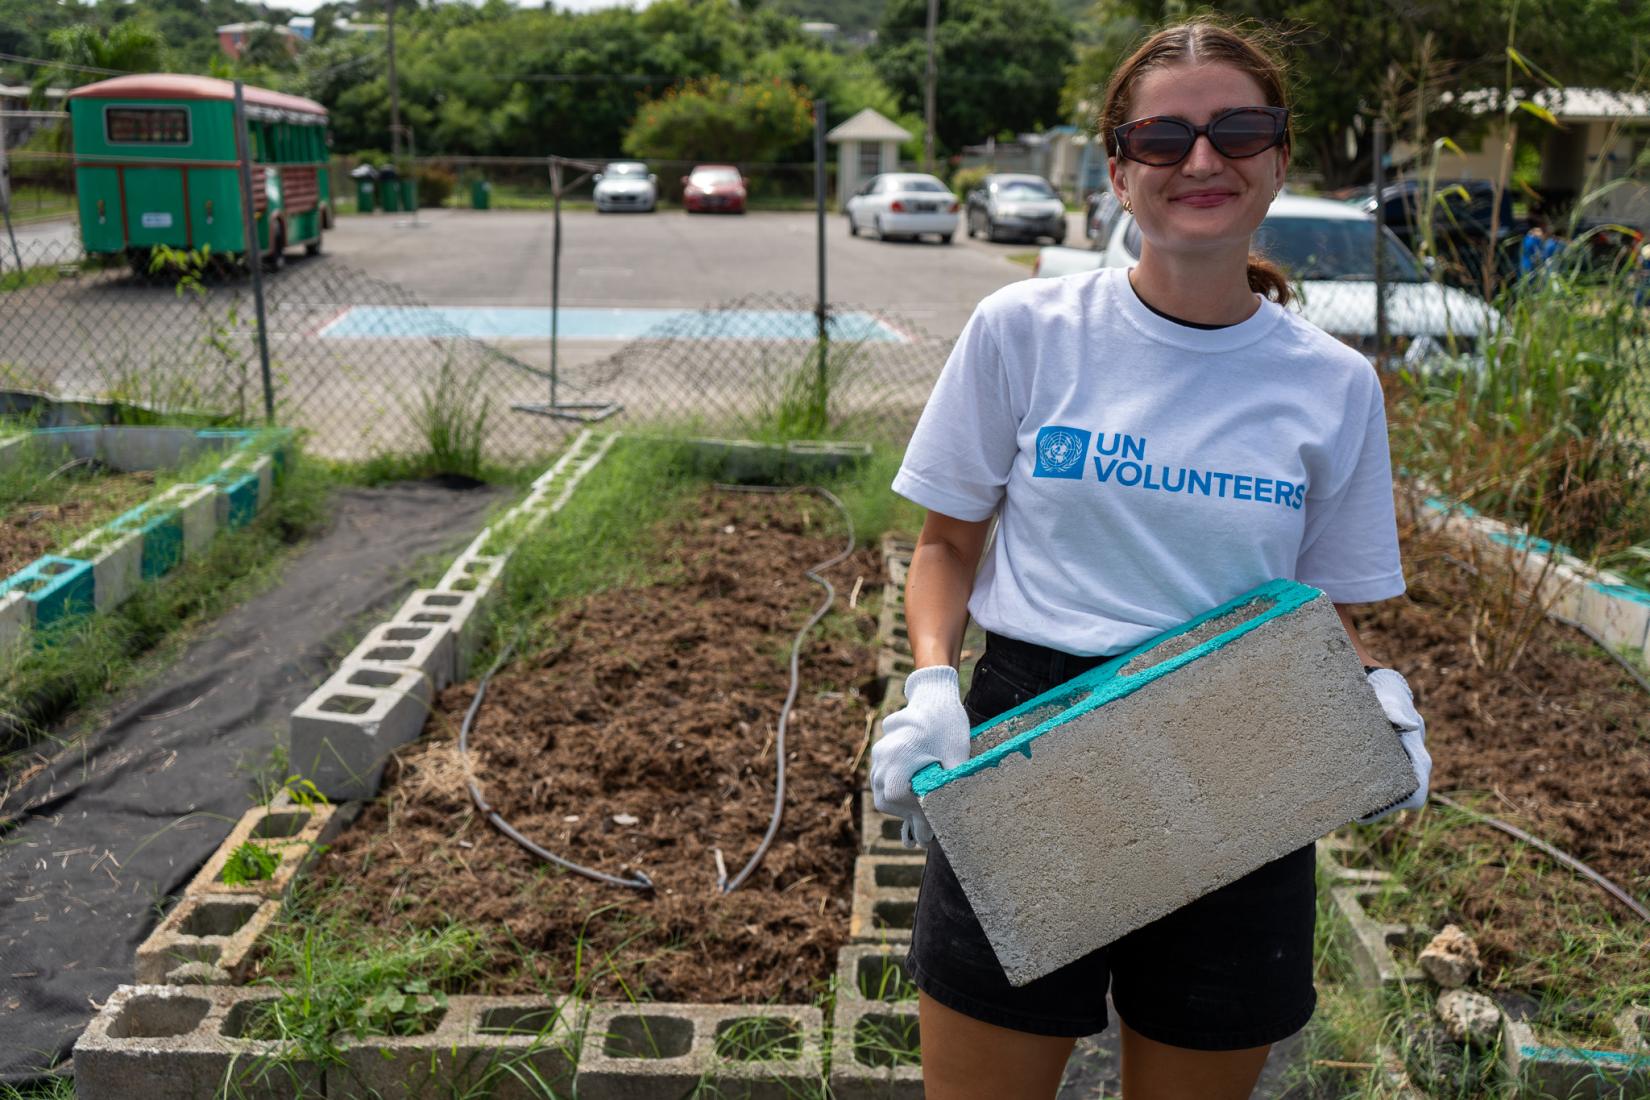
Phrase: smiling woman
pixel 1151 442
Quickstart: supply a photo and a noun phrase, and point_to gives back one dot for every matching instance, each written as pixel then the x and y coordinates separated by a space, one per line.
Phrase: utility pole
pixel 1379 181
pixel 395 89
pixel 928 92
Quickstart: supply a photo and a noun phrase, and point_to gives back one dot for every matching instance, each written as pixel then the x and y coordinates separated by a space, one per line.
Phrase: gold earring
pixel 1128 207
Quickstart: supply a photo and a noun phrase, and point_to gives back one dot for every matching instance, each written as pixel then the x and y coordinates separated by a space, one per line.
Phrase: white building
pixel 867 144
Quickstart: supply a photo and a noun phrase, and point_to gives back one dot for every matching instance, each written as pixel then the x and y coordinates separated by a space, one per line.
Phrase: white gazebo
pixel 866 144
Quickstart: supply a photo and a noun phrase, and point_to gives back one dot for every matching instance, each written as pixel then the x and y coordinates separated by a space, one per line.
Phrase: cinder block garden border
pixel 103 569
pixel 189 1027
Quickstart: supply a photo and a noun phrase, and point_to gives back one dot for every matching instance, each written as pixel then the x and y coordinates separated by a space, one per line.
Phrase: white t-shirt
pixel 1147 471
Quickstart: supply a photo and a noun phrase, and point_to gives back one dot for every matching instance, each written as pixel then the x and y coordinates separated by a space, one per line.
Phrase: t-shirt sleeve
pixel 963 449
pixel 1350 545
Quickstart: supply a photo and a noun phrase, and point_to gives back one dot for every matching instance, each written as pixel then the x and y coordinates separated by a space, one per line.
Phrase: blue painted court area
pixel 533 323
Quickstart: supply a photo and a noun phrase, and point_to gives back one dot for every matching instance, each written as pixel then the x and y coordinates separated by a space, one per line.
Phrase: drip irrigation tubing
pixel 1567 860
pixel 640 881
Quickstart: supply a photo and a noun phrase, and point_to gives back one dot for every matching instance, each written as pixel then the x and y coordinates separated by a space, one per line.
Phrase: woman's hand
pixel 1399 704
pixel 932 728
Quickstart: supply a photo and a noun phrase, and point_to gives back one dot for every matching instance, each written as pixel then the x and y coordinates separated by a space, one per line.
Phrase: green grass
pixel 30 203
pixel 1024 259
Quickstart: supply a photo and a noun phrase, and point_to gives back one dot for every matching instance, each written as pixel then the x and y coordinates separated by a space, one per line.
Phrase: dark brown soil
pixel 1558 745
pixel 29 529
pixel 643 738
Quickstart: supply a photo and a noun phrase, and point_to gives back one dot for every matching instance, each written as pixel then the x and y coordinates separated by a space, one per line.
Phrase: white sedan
pixel 626 185
pixel 903 204
pixel 1328 250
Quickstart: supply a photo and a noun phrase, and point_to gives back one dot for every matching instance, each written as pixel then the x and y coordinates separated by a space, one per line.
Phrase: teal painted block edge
pixel 65 594
pixel 162 532
pixel 1612 1058
pixel 242 493
pixel 1106 683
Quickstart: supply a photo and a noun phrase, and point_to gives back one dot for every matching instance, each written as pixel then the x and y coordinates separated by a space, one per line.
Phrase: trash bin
pixel 409 195
pixel 481 195
pixel 389 189
pixel 365 177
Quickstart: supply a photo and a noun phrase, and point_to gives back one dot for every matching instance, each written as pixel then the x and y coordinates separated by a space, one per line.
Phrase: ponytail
pixel 1268 280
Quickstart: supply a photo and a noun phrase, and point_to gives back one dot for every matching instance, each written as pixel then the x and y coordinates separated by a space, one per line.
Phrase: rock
pixel 1451 959
pixel 625 819
pixel 1469 1017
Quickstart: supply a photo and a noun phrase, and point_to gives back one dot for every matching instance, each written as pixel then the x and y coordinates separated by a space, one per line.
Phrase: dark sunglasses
pixel 1162 140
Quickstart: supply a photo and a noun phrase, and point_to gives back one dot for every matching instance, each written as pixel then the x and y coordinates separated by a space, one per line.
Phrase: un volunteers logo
pixel 1061 452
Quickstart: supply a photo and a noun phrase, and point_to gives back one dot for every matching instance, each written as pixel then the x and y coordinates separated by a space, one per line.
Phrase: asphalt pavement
pixel 672 259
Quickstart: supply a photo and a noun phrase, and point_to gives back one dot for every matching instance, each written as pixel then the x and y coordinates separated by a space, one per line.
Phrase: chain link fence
pixel 365 368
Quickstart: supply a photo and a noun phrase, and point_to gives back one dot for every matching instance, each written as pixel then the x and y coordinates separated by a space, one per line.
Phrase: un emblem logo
pixel 1061 452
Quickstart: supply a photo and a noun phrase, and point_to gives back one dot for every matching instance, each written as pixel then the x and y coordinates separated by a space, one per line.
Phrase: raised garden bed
pixel 1555 741
pixel 48 514
pixel 641 738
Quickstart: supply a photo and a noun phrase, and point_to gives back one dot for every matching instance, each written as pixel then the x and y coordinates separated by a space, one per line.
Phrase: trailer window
pixel 147 125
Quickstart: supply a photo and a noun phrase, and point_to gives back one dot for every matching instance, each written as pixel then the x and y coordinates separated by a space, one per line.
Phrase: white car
pixel 1327 249
pixel 903 204
pixel 626 185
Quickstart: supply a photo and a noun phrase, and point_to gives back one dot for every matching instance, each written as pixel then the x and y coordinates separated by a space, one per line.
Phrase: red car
pixel 713 187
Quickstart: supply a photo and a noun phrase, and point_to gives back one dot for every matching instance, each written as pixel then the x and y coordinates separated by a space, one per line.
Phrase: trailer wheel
pixel 313 248
pixel 276 259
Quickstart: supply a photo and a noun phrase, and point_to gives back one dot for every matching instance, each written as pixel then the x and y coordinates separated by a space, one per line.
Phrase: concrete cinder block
pixel 810 460
pixel 879 834
pixel 426 648
pixel 198 512
pixel 1347 860
pixel 117 564
pixel 462 614
pixel 1370 942
pixel 875 1050
pixel 16 618
pixel 1162 775
pixel 197 1043
pixel 1617 612
pixel 574 451
pixel 885 896
pixel 1541 1069
pixel 133 448
pixel 59 588
pixel 749 1052
pixel 162 528
pixel 341 736
pixel 207 939
pixel 291 833
pixel 473 571
pixel 500 1047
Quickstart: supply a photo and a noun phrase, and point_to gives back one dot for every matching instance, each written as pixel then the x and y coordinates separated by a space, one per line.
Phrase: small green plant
pixel 451 413
pixel 249 863
pixel 409 1008
pixel 304 792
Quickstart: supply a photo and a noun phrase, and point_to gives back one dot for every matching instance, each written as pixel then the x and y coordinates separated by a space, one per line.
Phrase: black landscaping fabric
pixel 94 848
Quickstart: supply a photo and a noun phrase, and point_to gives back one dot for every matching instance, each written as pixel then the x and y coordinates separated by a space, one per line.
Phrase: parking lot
pixel 672 259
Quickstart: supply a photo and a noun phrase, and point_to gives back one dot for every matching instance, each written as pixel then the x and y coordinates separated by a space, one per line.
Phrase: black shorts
pixel 1232 969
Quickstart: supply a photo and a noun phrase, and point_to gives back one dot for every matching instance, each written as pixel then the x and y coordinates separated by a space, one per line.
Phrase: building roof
pixel 182 86
pixel 868 125
pixel 243 28
pixel 1572 104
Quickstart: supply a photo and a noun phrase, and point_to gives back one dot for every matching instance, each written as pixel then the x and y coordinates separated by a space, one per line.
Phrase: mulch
pixel 29 529
pixel 643 738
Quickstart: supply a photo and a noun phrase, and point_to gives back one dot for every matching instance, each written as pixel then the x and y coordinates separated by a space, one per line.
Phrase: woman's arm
pixel 937 588
pixel 1345 612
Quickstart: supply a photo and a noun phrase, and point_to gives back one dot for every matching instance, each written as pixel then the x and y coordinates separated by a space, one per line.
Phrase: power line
pixel 61 65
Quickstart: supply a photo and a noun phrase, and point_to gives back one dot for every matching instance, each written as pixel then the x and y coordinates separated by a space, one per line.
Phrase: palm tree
pixel 128 47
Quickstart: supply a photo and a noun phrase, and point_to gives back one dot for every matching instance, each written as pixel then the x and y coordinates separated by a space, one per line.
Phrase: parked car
pixel 713 187
pixel 1462 212
pixel 1100 217
pixel 1326 248
pixel 626 185
pixel 1014 205
pixel 903 204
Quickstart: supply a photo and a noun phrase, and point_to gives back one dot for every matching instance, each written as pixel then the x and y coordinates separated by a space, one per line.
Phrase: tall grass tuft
pixel 451 413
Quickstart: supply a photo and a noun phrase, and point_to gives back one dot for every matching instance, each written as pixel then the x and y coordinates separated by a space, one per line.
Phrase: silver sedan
pixel 626 185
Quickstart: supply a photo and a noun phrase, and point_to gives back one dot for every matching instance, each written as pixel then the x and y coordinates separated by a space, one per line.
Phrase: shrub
pixel 435 185
pixel 966 179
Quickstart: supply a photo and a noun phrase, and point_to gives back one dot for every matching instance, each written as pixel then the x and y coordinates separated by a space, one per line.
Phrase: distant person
pixel 1536 249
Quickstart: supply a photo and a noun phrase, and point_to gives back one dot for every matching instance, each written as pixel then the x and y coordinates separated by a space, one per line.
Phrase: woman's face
pixel 1206 202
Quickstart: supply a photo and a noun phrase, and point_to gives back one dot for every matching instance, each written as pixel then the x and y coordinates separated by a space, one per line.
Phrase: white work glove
pixel 932 728
pixel 1399 704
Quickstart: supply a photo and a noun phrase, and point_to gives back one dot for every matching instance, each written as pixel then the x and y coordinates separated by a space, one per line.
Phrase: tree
pixel 128 47
pixel 712 119
pixel 1001 64
pixel 1351 58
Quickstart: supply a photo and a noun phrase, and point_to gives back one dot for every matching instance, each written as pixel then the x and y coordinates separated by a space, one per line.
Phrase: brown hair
pixel 1201 41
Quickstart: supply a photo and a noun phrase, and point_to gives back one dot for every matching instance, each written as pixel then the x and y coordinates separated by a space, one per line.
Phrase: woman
pixel 1188 361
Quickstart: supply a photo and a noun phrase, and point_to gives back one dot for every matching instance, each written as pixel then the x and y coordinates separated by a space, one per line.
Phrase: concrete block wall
pixel 1578 1073
pixel 58 587
pixel 197 512
pixel 16 617
pixel 875 1049
pixel 1142 751
pixel 116 558
pixel 1370 943
pixel 342 735
pixel 642 1051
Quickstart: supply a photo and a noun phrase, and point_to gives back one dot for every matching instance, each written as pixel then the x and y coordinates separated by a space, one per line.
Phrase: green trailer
pixel 156 163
